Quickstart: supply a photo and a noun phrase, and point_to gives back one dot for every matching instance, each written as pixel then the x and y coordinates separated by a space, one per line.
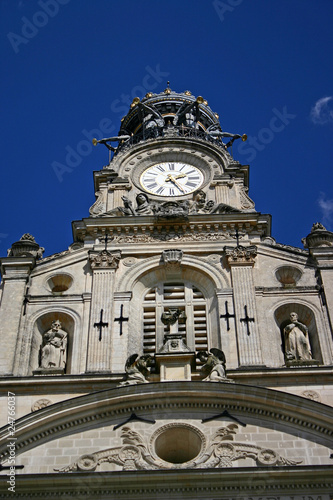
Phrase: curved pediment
pixel 195 402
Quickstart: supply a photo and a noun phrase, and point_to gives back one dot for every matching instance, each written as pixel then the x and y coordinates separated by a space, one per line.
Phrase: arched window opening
pixel 186 297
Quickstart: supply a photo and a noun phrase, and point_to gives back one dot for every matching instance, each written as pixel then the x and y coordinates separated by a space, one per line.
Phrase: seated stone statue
pixel 54 347
pixel 296 338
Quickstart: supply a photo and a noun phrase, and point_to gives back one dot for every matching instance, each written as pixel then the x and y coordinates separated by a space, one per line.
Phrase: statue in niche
pixel 214 365
pixel 137 369
pixel 54 347
pixel 296 340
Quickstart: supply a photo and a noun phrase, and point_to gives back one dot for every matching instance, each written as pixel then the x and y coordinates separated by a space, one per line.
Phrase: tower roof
pixel 169 108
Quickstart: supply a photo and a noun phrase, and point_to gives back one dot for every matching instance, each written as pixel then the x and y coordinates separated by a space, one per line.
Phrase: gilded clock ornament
pixel 171 179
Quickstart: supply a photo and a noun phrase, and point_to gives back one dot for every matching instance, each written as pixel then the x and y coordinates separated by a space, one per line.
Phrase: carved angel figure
pixel 137 369
pixel 214 365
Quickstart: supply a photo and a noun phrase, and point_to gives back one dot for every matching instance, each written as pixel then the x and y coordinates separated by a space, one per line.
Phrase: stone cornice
pixel 53 261
pixel 86 383
pixel 285 291
pixel 16 267
pixel 240 483
pixel 136 229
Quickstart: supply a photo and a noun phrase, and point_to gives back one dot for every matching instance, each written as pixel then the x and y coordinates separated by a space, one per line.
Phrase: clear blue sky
pixel 70 66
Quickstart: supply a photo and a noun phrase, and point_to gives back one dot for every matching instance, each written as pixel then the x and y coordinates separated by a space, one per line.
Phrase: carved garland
pixel 218 452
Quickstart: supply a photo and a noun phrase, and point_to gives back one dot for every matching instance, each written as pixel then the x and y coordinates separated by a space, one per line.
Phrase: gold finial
pixel 187 92
pixel 244 137
pixel 149 94
pixel 200 100
pixel 135 101
pixel 94 141
pixel 217 116
pixel 167 90
pixel 205 102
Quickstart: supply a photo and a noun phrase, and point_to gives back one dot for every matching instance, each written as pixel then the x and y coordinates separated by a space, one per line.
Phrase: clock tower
pixel 175 349
pixel 172 184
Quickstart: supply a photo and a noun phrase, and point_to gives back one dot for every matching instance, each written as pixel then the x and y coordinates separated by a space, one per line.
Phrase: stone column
pixel 104 265
pixel 15 273
pixel 241 261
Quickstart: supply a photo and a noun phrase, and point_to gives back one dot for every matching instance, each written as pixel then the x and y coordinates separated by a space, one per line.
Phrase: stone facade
pixel 155 348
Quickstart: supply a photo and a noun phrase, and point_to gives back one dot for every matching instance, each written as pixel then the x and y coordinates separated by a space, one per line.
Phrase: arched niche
pixel 42 325
pixel 305 316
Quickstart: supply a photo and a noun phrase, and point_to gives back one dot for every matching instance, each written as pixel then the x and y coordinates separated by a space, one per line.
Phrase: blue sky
pixel 70 67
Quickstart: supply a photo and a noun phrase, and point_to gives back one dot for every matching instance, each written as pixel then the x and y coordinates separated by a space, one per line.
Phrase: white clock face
pixel 171 179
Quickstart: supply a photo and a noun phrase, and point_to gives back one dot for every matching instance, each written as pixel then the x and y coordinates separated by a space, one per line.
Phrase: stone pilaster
pixel 222 190
pixel 324 260
pixel 320 245
pixel 241 261
pixel 116 192
pixel 15 273
pixel 104 265
pixel 120 339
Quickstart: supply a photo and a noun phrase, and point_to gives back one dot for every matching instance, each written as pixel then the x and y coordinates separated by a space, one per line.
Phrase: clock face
pixel 171 179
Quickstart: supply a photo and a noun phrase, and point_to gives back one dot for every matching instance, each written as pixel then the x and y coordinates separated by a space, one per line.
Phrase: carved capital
pixel 105 259
pixel 172 259
pixel 241 255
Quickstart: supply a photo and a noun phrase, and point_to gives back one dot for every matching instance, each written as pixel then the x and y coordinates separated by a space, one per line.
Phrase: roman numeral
pixel 190 184
pixel 160 168
pixel 160 190
pixel 151 186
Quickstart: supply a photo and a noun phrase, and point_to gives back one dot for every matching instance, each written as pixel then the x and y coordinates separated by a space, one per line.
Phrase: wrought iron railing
pixel 169 131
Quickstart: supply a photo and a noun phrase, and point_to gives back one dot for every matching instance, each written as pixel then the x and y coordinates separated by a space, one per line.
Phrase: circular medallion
pixel 267 457
pixel 171 179
pixel 87 463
